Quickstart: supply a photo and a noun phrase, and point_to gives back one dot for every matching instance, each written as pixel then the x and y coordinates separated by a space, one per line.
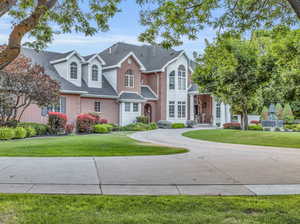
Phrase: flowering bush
pixel 57 122
pixel 103 121
pixel 254 122
pixel 69 128
pixel 85 123
pixel 232 125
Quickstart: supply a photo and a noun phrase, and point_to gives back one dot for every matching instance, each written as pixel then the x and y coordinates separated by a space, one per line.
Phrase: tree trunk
pixel 244 120
pixel 296 6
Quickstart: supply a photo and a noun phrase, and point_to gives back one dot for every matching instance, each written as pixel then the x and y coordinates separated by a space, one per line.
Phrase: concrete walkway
pixel 208 169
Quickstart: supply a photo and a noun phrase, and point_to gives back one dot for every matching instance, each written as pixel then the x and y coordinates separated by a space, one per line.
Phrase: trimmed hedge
pixel 232 125
pixel 142 119
pixel 20 132
pixel 41 129
pixel 7 133
pixel 178 125
pixel 31 132
pixel 255 127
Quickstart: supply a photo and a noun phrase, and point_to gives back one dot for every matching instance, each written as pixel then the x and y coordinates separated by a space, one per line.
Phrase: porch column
pixel 192 107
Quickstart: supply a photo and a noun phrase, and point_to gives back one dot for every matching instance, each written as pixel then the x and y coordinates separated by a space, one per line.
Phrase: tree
pixel 38 17
pixel 173 19
pixel 288 115
pixel 279 111
pixel 233 70
pixel 264 114
pixel 23 84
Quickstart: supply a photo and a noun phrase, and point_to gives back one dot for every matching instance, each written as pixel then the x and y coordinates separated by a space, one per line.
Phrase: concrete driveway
pixel 209 168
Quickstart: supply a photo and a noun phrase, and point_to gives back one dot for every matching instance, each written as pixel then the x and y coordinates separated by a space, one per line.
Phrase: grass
pixel 116 144
pixel 277 139
pixel 67 209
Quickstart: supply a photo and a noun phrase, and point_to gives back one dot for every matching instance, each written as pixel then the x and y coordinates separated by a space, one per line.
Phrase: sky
pixel 124 27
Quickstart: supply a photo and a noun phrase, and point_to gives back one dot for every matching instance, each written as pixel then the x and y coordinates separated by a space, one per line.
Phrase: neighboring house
pixel 126 81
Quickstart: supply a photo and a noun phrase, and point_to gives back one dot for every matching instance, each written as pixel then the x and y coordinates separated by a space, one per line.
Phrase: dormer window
pixel 181 77
pixel 94 73
pixel 129 79
pixel 73 70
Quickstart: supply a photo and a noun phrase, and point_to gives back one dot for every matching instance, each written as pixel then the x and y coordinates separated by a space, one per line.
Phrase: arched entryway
pixel 148 111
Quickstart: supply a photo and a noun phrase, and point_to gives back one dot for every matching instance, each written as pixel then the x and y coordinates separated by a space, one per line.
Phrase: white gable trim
pixel 98 57
pixel 174 59
pixel 127 56
pixel 150 91
pixel 68 57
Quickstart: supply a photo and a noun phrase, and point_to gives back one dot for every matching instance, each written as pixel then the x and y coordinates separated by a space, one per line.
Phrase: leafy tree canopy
pixel 173 19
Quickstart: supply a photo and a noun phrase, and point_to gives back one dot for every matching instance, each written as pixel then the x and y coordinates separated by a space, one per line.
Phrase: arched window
pixel 94 73
pixel 172 80
pixel 181 77
pixel 129 79
pixel 73 70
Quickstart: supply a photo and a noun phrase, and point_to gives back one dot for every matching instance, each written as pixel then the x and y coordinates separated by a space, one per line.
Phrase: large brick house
pixel 125 81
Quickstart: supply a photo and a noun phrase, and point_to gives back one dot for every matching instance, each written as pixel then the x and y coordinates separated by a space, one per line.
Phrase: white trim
pixel 174 59
pixel 131 101
pixel 99 96
pixel 73 91
pixel 127 56
pixel 150 91
pixel 98 57
pixel 68 57
pixel 153 71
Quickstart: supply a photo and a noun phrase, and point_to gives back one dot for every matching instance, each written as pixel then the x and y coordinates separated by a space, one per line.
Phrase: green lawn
pixel 278 139
pixel 116 144
pixel 53 209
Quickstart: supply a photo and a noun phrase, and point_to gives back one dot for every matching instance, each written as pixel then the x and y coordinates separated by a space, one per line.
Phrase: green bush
pixel 255 127
pixel 279 111
pixel 290 126
pixel 288 116
pixel 6 133
pixel 31 132
pixel 41 129
pixel 101 128
pixel 178 125
pixel 142 119
pixel 153 126
pixel 114 127
pixel 296 127
pixel 20 132
pixel 264 114
pixel 136 127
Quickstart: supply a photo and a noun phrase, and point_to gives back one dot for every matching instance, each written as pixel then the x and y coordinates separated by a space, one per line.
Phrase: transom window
pixel 127 107
pixel 135 107
pixel 181 109
pixel 97 106
pixel 172 80
pixel 181 77
pixel 73 70
pixel 94 73
pixel 171 109
pixel 129 79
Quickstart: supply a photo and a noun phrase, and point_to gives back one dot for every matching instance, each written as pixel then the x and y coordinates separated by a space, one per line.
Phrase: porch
pixel 201 108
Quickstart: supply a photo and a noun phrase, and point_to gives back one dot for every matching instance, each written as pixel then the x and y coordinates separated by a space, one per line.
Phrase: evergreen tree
pixel 279 111
pixel 288 115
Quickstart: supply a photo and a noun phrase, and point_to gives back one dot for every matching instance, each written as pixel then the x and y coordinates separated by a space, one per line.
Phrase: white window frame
pixel 73 70
pixel 127 107
pixel 135 107
pixel 172 78
pixel 129 79
pixel 60 107
pixel 95 73
pixel 181 77
pixel 181 109
pixel 172 111
pixel 97 106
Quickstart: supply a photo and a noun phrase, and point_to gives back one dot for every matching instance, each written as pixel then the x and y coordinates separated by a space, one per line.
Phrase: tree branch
pixel 296 6
pixel 5 6
pixel 14 43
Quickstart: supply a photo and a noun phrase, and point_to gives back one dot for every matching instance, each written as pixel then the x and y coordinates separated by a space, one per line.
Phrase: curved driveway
pixel 208 168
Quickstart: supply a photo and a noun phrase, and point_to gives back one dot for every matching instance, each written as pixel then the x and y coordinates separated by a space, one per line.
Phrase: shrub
pixel 178 125
pixel 164 124
pixel 57 122
pixel 85 123
pixel 264 114
pixel 101 128
pixel 279 111
pixel 103 121
pixel 255 127
pixel 190 123
pixel 96 116
pixel 142 119
pixel 254 122
pixel 290 126
pixel 136 127
pixel 41 129
pixel 31 132
pixel 288 116
pixel 69 128
pixel 20 132
pixel 296 127
pixel 153 126
pixel 114 127
pixel 11 123
pixel 232 125
pixel 6 133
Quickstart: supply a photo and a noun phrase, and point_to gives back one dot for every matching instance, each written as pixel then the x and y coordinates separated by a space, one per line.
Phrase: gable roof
pixel 124 96
pixel 152 57
pixel 147 93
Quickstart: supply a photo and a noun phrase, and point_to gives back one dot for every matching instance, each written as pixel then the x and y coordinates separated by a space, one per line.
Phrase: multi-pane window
pixel 218 110
pixel 73 70
pixel 94 73
pixel 97 106
pixel 181 78
pixel 172 80
pixel 171 109
pixel 181 109
pixel 135 107
pixel 127 107
pixel 129 79
pixel 60 107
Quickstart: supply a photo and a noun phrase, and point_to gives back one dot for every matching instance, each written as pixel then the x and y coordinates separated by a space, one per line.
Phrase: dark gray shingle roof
pixel 130 96
pixel 152 57
pixel 147 93
pixel 106 90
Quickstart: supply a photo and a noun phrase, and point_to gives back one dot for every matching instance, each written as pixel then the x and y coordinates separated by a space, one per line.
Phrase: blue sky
pixel 124 27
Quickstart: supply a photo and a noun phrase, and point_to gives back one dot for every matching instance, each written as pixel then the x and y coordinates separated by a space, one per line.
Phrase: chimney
pixel 109 50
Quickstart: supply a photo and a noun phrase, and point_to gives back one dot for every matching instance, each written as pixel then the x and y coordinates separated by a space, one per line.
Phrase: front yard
pixel 261 138
pixel 116 144
pixel 53 209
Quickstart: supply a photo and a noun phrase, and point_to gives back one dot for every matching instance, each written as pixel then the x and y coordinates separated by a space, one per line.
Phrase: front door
pixel 148 112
